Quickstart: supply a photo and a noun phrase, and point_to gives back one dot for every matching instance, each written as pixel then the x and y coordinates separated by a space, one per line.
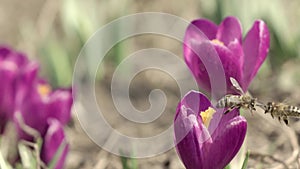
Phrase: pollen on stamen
pixel 217 42
pixel 44 89
pixel 207 115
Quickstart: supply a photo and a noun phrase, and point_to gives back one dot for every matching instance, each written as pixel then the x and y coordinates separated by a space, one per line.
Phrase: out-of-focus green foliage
pixel 27 156
pixel 281 16
pixel 129 163
pixel 58 43
pixel 3 163
pixel 58 63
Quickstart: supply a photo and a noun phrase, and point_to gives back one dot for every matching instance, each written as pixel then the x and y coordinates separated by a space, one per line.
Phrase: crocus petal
pixel 53 140
pixel 229 30
pixel 190 132
pixel 231 62
pixel 9 72
pixel 25 85
pixel 206 26
pixel 205 64
pixel 256 46
pixel 4 51
pixel 188 148
pixel 192 99
pixel 226 142
pixel 59 105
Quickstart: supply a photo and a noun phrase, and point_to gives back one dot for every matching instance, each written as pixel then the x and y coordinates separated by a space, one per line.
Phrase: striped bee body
pixel 237 101
pixel 229 101
pixel 282 111
pixel 292 111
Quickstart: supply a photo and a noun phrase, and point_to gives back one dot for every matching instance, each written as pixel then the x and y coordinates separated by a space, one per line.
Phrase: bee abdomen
pixel 221 103
pixel 293 111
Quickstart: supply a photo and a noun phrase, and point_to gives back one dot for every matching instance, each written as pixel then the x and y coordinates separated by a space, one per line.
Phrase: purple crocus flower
pixel 240 59
pixel 204 137
pixel 24 95
pixel 44 104
pixel 55 145
pixel 15 69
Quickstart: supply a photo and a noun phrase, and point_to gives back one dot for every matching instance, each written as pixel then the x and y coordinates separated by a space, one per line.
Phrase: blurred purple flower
pixel 23 94
pixel 44 104
pixel 54 146
pixel 15 69
pixel 204 137
pixel 240 59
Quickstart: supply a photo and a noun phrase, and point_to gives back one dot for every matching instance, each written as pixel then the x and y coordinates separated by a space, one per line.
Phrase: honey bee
pixel 282 111
pixel 243 100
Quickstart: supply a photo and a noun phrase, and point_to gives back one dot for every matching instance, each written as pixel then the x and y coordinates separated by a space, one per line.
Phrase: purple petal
pixel 26 85
pixel 230 30
pixel 34 116
pixel 189 148
pixel 192 101
pixel 227 141
pixel 232 61
pixel 59 105
pixel 9 74
pixel 4 51
pixel 53 139
pixel 197 32
pixel 190 132
pixel 206 65
pixel 206 26
pixel 256 47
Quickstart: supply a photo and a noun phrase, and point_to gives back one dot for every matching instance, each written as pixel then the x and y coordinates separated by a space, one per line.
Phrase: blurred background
pixel 54 31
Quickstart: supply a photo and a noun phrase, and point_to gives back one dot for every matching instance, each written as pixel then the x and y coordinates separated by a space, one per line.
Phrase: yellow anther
pixel 207 115
pixel 44 89
pixel 216 41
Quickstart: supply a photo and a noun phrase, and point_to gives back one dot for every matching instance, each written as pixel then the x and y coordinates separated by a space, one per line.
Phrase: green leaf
pixel 245 163
pixel 227 167
pixel 3 164
pixel 27 157
pixel 129 163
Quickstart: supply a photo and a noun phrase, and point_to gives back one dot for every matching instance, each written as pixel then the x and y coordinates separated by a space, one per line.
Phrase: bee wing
pixel 236 85
pixel 261 105
pixel 236 100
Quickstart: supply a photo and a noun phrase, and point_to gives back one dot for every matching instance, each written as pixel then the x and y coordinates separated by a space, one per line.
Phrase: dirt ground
pixel 271 144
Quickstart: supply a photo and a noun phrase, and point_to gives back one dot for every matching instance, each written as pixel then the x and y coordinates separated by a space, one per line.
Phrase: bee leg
pixel 285 119
pixel 279 119
pixel 229 109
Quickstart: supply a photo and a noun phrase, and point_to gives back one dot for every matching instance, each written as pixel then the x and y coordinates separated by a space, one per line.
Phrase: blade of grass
pixel 3 164
pixel 27 156
pixel 245 163
pixel 129 163
pixel 227 167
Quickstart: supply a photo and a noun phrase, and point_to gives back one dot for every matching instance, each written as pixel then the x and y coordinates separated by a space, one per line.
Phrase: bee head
pixel 269 107
pixel 253 102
